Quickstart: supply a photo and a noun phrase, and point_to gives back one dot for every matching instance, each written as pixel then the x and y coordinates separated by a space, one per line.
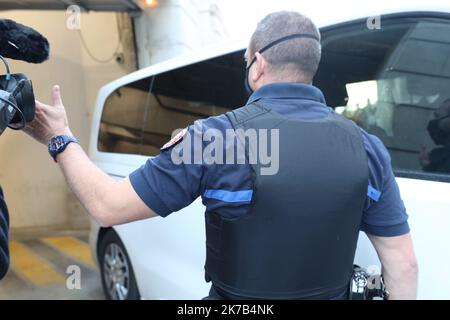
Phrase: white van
pixel 389 80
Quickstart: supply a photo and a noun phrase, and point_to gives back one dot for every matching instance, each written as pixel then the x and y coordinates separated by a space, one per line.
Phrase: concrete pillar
pixel 176 27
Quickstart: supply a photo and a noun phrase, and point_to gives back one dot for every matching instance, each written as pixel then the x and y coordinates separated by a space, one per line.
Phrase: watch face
pixel 57 143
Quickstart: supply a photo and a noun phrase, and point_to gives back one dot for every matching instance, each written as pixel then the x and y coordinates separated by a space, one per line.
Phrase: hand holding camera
pixel 17 105
pixel 49 121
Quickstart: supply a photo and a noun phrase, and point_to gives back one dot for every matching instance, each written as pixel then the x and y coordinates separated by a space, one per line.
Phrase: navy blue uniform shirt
pixel 226 189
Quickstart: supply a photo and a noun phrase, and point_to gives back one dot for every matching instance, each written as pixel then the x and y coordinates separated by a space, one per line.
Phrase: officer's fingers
pixel 56 96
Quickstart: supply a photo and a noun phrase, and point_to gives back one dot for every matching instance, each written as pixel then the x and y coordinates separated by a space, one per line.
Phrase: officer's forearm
pixel 94 188
pixel 401 281
pixel 399 265
pixel 109 201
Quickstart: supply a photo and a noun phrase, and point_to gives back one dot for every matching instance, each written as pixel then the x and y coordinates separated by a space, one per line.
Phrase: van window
pixel 122 118
pixel 146 114
pixel 392 82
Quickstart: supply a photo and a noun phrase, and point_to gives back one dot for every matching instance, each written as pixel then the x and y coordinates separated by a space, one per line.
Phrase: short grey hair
pixel 297 59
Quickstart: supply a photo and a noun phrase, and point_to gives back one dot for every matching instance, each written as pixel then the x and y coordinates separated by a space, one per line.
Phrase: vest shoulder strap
pixel 239 117
pixel 243 114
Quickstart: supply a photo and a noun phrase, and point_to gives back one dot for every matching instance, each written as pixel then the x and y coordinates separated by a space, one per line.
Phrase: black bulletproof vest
pixel 299 238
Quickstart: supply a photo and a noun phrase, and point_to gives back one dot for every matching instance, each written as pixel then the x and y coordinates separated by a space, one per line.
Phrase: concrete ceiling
pixel 85 5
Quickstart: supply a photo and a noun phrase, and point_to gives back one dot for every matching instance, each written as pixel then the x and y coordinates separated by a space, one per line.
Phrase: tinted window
pixel 392 82
pixel 122 118
pixel 148 112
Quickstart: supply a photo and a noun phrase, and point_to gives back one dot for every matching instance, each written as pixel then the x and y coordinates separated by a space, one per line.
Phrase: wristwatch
pixel 58 144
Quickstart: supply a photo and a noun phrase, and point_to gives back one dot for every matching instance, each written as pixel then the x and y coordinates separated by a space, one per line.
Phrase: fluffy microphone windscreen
pixel 20 42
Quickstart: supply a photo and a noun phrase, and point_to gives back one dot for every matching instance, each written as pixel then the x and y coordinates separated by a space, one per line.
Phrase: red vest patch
pixel 175 140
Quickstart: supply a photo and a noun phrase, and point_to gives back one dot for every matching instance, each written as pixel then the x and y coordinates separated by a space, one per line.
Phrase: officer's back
pixel 288 231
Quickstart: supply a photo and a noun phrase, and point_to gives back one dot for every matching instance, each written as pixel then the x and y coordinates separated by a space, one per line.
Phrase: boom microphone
pixel 17 106
pixel 22 43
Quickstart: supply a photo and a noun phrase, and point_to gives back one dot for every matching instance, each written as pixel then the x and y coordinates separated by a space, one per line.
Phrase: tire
pixel 118 280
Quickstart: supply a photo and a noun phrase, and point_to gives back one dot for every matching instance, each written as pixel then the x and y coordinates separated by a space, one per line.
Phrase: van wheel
pixel 117 274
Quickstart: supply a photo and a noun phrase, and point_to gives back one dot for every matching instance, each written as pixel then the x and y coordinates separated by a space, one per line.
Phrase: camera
pixel 19 42
pixel 17 105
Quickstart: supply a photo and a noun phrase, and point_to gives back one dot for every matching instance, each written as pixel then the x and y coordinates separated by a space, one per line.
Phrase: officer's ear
pixel 260 67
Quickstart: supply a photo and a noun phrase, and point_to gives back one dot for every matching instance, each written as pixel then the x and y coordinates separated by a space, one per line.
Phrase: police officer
pixel 4 225
pixel 287 235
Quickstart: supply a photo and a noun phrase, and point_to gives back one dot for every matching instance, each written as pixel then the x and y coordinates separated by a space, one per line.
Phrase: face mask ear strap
pixel 274 43
pixel 292 36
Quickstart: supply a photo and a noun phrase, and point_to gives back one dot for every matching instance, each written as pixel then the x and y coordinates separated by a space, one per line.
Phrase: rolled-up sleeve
pixel 385 215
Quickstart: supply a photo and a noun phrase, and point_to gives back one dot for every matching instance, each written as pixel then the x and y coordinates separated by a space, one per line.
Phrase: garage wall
pixel 176 27
pixel 34 186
